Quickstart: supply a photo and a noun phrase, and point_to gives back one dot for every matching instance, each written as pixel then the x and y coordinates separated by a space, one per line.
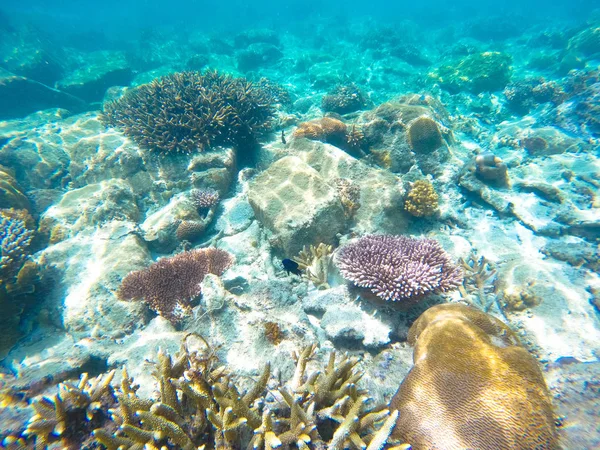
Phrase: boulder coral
pixel 424 135
pixel 472 386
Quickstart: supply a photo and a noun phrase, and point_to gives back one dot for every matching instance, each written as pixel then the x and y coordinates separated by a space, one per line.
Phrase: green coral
pixel 479 72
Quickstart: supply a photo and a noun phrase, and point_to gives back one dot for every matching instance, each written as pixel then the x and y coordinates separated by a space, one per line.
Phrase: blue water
pixel 474 125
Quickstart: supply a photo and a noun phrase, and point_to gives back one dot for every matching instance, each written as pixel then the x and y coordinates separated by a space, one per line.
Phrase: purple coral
pixel 204 198
pixel 170 284
pixel 397 268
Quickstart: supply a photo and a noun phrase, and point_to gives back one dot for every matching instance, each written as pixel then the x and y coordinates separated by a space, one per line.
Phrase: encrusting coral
pixel 192 111
pixel 171 284
pixel 199 405
pixel 398 268
pixel 472 386
pixel 421 200
pixel 424 135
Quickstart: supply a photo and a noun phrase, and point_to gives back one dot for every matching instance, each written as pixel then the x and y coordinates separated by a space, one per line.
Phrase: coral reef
pixel 191 111
pixel 199 403
pixel 479 72
pixel 398 268
pixel 326 129
pixel 315 264
pixel 15 239
pixel 490 168
pixel 190 230
pixel 421 200
pixel 171 284
pixel 344 99
pixel 478 287
pixel 424 135
pixel 524 95
pixel 70 416
pixel 204 199
pixel 472 386
pixel 11 195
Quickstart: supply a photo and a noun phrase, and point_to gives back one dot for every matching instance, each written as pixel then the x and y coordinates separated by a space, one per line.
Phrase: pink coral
pixel 170 284
pixel 398 268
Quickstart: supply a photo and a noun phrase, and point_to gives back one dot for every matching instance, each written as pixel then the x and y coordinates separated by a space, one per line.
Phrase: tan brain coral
pixel 472 386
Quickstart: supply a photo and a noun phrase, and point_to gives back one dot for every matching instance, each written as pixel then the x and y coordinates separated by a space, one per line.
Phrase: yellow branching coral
pixel 315 264
pixel 422 200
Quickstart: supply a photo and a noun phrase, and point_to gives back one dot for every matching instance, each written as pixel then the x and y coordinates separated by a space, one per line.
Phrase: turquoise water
pixel 299 225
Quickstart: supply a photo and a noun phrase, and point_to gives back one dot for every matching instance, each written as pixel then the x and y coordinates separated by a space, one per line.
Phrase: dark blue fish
pixel 291 266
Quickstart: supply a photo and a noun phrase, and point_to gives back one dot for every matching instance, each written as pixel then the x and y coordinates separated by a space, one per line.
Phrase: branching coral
pixel 422 200
pixel 315 264
pixel 344 99
pixel 199 404
pixel 170 284
pixel 204 199
pixel 424 135
pixel 192 111
pixel 70 416
pixel 479 282
pixel 398 268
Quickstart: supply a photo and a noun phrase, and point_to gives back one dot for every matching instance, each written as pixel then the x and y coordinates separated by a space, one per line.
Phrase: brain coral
pixel 424 135
pixel 192 111
pixel 398 268
pixel 472 386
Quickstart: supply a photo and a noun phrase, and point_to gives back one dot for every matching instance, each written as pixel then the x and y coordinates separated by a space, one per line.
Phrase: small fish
pixel 291 266
pixel 283 141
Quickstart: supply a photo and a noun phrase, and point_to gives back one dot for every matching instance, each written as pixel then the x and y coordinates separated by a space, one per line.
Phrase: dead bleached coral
pixel 315 264
pixel 472 386
pixel 421 200
pixel 191 111
pixel 398 268
pixel 349 193
pixel 171 284
pixel 199 404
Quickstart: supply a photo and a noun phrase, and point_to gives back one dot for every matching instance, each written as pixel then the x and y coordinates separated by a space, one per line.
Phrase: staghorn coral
pixel 315 264
pixel 192 111
pixel 398 268
pixel 479 281
pixel 472 386
pixel 344 100
pixel 424 135
pixel 70 416
pixel 421 200
pixel 199 404
pixel 170 284
pixel 349 195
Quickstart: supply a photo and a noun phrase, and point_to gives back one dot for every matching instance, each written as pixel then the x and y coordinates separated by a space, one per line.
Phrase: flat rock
pixel 296 204
pixel 22 96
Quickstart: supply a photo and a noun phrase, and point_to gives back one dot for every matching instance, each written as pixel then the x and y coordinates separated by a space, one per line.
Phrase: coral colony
pixel 332 234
